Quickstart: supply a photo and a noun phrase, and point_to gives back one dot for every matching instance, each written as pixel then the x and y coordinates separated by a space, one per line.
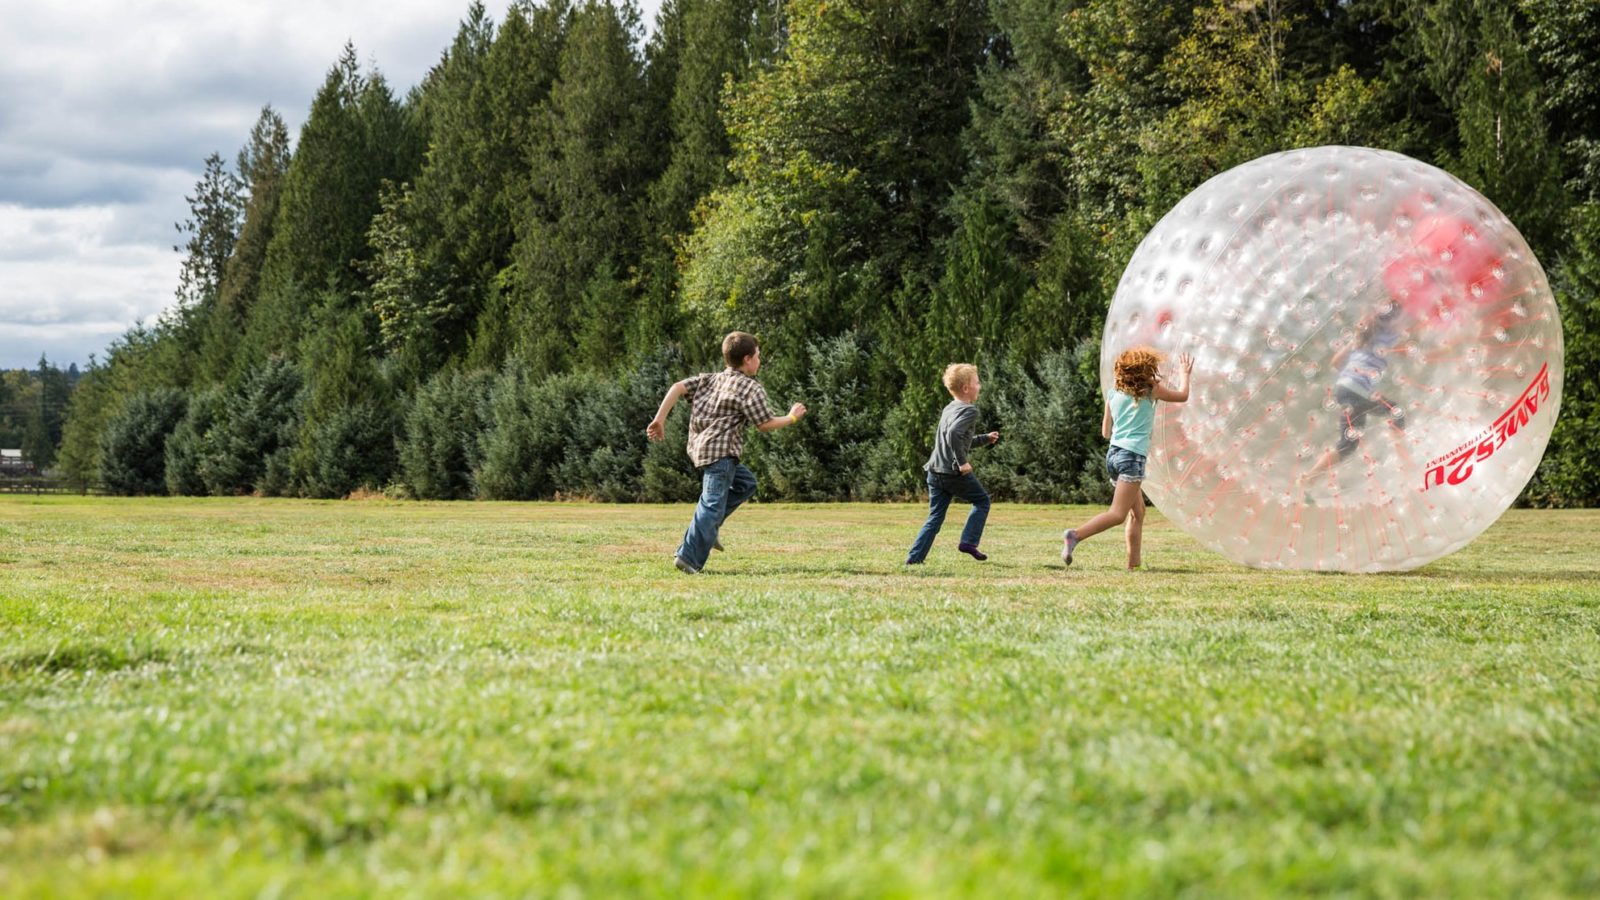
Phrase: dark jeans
pixel 723 486
pixel 1353 410
pixel 941 490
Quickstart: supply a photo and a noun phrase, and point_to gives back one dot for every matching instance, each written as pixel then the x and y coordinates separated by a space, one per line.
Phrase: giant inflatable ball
pixel 1377 360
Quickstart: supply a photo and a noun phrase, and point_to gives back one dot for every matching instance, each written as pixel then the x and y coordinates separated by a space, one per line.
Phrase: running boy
pixel 721 405
pixel 949 472
pixel 1130 415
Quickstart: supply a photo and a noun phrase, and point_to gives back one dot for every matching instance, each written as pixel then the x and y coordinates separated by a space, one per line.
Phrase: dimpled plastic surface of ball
pixel 1377 360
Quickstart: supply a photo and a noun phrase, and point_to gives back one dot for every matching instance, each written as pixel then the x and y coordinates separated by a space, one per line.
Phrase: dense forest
pixel 481 286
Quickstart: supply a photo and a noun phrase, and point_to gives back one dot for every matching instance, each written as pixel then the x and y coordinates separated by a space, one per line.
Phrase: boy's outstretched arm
pixel 1169 395
pixel 776 422
pixel 657 429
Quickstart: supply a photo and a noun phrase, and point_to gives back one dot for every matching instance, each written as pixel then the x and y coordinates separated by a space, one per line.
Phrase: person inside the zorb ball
pixel 1361 366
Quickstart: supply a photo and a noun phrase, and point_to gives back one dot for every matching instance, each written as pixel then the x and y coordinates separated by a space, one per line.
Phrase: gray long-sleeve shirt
pixel 954 438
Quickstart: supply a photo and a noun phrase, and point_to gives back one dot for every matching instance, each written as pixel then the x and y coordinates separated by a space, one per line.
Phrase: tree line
pixel 480 287
pixel 33 409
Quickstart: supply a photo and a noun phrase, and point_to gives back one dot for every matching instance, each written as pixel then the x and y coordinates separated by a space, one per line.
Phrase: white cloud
pixel 107 112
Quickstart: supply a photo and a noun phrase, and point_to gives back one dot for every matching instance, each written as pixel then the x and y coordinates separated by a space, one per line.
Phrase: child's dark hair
pixel 738 347
pixel 1136 372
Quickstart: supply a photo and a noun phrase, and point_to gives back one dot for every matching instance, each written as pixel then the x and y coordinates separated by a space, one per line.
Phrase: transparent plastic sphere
pixel 1377 360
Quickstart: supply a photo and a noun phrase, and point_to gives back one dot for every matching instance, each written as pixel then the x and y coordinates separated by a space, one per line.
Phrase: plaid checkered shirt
pixel 722 404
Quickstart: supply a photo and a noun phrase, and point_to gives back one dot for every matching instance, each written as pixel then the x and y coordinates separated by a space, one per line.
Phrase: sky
pixel 107 113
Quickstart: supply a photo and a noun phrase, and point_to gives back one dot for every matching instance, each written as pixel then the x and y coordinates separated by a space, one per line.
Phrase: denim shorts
pixel 1124 465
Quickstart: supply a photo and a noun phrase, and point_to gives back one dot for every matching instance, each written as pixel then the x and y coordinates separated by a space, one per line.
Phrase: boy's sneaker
pixel 972 551
pixel 1069 542
pixel 716 544
pixel 913 562
pixel 684 566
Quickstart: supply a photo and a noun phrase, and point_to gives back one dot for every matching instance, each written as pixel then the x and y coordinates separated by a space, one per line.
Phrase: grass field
pixel 242 697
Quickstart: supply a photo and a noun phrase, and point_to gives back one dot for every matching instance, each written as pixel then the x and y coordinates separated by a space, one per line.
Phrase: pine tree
pixel 212 229
pixel 578 229
pixel 261 166
pixel 355 137
pixel 517 76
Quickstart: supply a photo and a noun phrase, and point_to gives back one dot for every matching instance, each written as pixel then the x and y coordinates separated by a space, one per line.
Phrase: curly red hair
pixel 1136 372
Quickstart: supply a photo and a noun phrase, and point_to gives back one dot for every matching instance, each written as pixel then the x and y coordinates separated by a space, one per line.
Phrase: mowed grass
pixel 243 697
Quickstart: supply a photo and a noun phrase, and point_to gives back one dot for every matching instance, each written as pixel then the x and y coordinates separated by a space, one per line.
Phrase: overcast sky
pixel 107 113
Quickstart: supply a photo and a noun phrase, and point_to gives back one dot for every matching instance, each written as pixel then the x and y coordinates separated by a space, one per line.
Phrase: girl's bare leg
pixel 1135 529
pixel 1121 505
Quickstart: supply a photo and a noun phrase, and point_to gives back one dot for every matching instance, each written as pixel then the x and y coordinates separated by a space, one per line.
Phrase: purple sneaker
pixel 972 551
pixel 1069 543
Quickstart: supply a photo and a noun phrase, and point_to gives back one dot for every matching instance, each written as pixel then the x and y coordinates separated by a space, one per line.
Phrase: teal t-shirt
pixel 1131 422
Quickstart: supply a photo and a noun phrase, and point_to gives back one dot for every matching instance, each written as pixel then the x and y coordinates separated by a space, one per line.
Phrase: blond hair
pixel 1136 372
pixel 958 375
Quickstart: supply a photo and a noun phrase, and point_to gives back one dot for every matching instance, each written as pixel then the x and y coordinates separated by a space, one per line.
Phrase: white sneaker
pixel 1069 542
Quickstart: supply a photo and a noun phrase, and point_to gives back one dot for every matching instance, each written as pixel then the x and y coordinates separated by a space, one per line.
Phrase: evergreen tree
pixel 578 229
pixel 697 49
pixel 1569 475
pixel 211 231
pixel 424 271
pixel 133 447
pixel 256 433
pixel 517 76
pixel 191 440
pixel 347 431
pixel 262 164
pixel 355 137
pixel 443 429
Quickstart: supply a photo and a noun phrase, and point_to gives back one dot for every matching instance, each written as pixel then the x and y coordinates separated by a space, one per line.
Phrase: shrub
pixel 188 443
pixel 257 433
pixel 133 446
pixel 1570 472
pixel 607 452
pixel 527 429
pixel 443 433
pixel 825 457
pixel 1049 424
pixel 353 447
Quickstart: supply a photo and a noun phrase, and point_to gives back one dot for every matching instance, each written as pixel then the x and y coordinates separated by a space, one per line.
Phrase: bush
pixel 133 446
pixel 257 433
pixel 443 433
pixel 188 443
pixel 527 430
pixel 607 452
pixel 668 476
pixel 1049 424
pixel 352 448
pixel 824 458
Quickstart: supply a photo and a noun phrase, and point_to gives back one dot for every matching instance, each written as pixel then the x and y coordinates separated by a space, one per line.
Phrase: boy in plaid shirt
pixel 722 404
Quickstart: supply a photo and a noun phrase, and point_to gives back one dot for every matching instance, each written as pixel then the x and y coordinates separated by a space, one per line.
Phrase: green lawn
pixel 230 697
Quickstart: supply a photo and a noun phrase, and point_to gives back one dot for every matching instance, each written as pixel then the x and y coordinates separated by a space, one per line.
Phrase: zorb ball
pixel 1377 360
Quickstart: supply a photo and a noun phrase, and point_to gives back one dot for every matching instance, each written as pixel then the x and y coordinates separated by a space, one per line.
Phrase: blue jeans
pixel 941 490
pixel 723 486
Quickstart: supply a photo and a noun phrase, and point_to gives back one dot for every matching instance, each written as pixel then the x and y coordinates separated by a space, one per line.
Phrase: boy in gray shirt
pixel 949 473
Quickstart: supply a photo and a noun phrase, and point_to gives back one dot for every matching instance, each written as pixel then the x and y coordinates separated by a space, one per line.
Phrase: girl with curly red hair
pixel 1130 415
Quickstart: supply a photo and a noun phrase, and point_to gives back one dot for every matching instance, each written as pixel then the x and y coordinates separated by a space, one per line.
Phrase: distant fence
pixel 41 484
